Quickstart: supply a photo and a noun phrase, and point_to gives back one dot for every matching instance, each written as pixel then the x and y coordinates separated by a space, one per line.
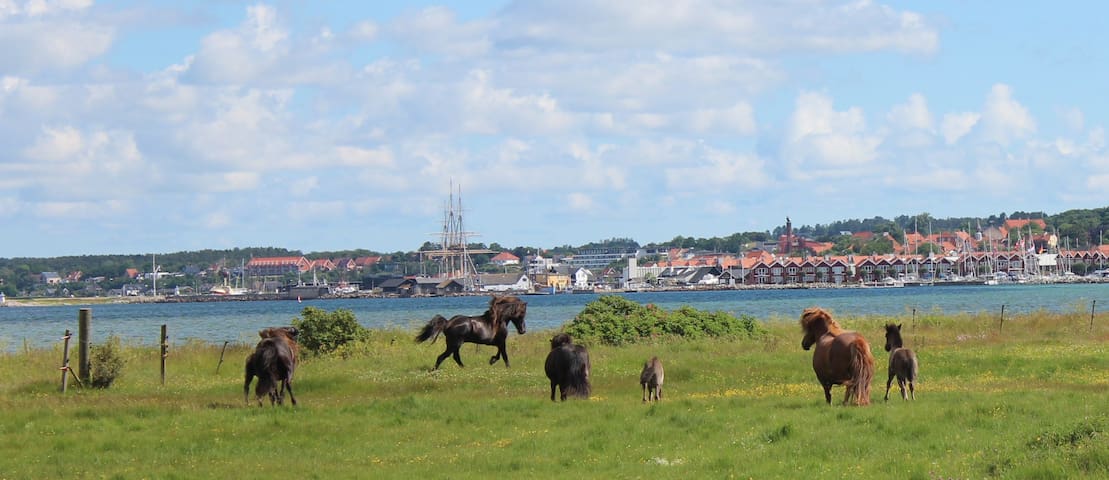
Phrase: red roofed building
pixel 366 262
pixel 263 266
pixel 505 258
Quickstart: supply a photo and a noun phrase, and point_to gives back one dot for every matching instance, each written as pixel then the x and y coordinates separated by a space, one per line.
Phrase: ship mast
pixel 454 250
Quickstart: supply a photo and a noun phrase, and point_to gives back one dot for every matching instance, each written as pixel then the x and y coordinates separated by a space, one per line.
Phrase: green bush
pixel 323 332
pixel 615 320
pixel 106 363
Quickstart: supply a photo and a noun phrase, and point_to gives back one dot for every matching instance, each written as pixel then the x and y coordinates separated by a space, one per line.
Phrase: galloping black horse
pixel 490 328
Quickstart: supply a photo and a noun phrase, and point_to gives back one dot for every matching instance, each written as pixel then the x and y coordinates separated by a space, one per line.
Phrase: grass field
pixel 1030 400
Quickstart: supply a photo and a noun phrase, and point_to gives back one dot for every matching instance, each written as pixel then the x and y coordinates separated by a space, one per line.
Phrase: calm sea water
pixel 217 322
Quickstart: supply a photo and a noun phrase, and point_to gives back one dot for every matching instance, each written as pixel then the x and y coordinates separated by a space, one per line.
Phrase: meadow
pixel 1028 398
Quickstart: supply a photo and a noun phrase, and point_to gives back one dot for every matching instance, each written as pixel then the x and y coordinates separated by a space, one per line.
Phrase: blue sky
pixel 151 127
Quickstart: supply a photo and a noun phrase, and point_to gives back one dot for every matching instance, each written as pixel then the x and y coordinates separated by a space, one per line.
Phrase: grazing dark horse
pixel 489 328
pixel 651 380
pixel 903 364
pixel 273 362
pixel 567 367
pixel 841 357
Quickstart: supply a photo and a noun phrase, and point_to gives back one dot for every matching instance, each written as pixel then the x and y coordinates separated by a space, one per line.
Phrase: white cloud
pixel 435 29
pixel 1004 119
pixel 302 187
pixel 700 25
pixel 720 171
pixel 824 142
pixel 912 115
pixel 957 125
pixel 243 54
pixel 353 156
pixel 57 144
pixel 579 201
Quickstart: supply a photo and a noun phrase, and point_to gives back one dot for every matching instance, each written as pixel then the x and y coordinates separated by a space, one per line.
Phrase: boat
pixel 227 290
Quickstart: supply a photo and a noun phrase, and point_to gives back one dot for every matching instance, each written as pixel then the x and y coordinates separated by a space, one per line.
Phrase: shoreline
pixel 22 302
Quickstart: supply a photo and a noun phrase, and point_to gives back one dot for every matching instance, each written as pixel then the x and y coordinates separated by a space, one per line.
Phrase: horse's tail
pixel 862 371
pixel 913 367
pixel 432 329
pixel 578 381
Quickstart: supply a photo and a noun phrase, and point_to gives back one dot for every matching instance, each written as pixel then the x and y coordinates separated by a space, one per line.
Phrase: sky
pixel 131 127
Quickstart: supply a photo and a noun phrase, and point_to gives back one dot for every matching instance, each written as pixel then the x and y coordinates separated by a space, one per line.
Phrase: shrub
pixel 615 320
pixel 106 362
pixel 323 332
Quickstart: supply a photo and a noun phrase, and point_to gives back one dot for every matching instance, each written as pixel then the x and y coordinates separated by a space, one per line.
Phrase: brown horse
pixel 903 364
pixel 651 380
pixel 568 367
pixel 489 328
pixel 841 357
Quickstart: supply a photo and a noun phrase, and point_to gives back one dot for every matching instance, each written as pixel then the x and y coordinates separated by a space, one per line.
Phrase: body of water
pixel 217 322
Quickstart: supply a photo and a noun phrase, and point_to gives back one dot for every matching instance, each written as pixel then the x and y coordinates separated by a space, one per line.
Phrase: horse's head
pixel 560 339
pixel 815 322
pixel 509 309
pixel 893 337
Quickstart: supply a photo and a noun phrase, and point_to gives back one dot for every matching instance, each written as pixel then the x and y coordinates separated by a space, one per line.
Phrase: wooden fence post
pixel 1093 307
pixel 65 361
pixel 914 319
pixel 1002 324
pixel 165 353
pixel 84 325
pixel 222 350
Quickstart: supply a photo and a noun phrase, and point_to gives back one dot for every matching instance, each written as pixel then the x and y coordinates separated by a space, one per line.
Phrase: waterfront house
pixel 505 282
pixel 504 259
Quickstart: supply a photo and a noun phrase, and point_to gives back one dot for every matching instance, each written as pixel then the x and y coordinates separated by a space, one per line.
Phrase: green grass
pixel 1028 401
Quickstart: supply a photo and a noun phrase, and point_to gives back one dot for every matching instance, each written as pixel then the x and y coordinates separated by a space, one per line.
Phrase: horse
pixel 489 328
pixel 273 362
pixel 903 364
pixel 841 357
pixel 651 380
pixel 567 367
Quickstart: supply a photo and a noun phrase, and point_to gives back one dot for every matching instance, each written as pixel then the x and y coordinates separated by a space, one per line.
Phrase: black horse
pixel 568 368
pixel 489 328
pixel 273 362
pixel 903 364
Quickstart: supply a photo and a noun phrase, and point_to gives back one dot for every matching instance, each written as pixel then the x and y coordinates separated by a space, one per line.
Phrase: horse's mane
pixel 814 317
pixel 503 309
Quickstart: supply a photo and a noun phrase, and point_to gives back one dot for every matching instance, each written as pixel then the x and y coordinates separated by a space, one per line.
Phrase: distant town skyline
pixel 178 126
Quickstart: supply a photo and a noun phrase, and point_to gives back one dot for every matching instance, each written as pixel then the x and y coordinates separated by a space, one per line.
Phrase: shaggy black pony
pixel 273 362
pixel 568 368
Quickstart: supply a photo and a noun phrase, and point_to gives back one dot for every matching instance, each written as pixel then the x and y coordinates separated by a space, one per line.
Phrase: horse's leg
pixel 912 389
pixel 888 383
pixel 457 347
pixel 827 392
pixel 553 385
pixel 446 353
pixel 645 393
pixel 246 387
pixel 289 387
pixel 901 385
pixel 501 352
